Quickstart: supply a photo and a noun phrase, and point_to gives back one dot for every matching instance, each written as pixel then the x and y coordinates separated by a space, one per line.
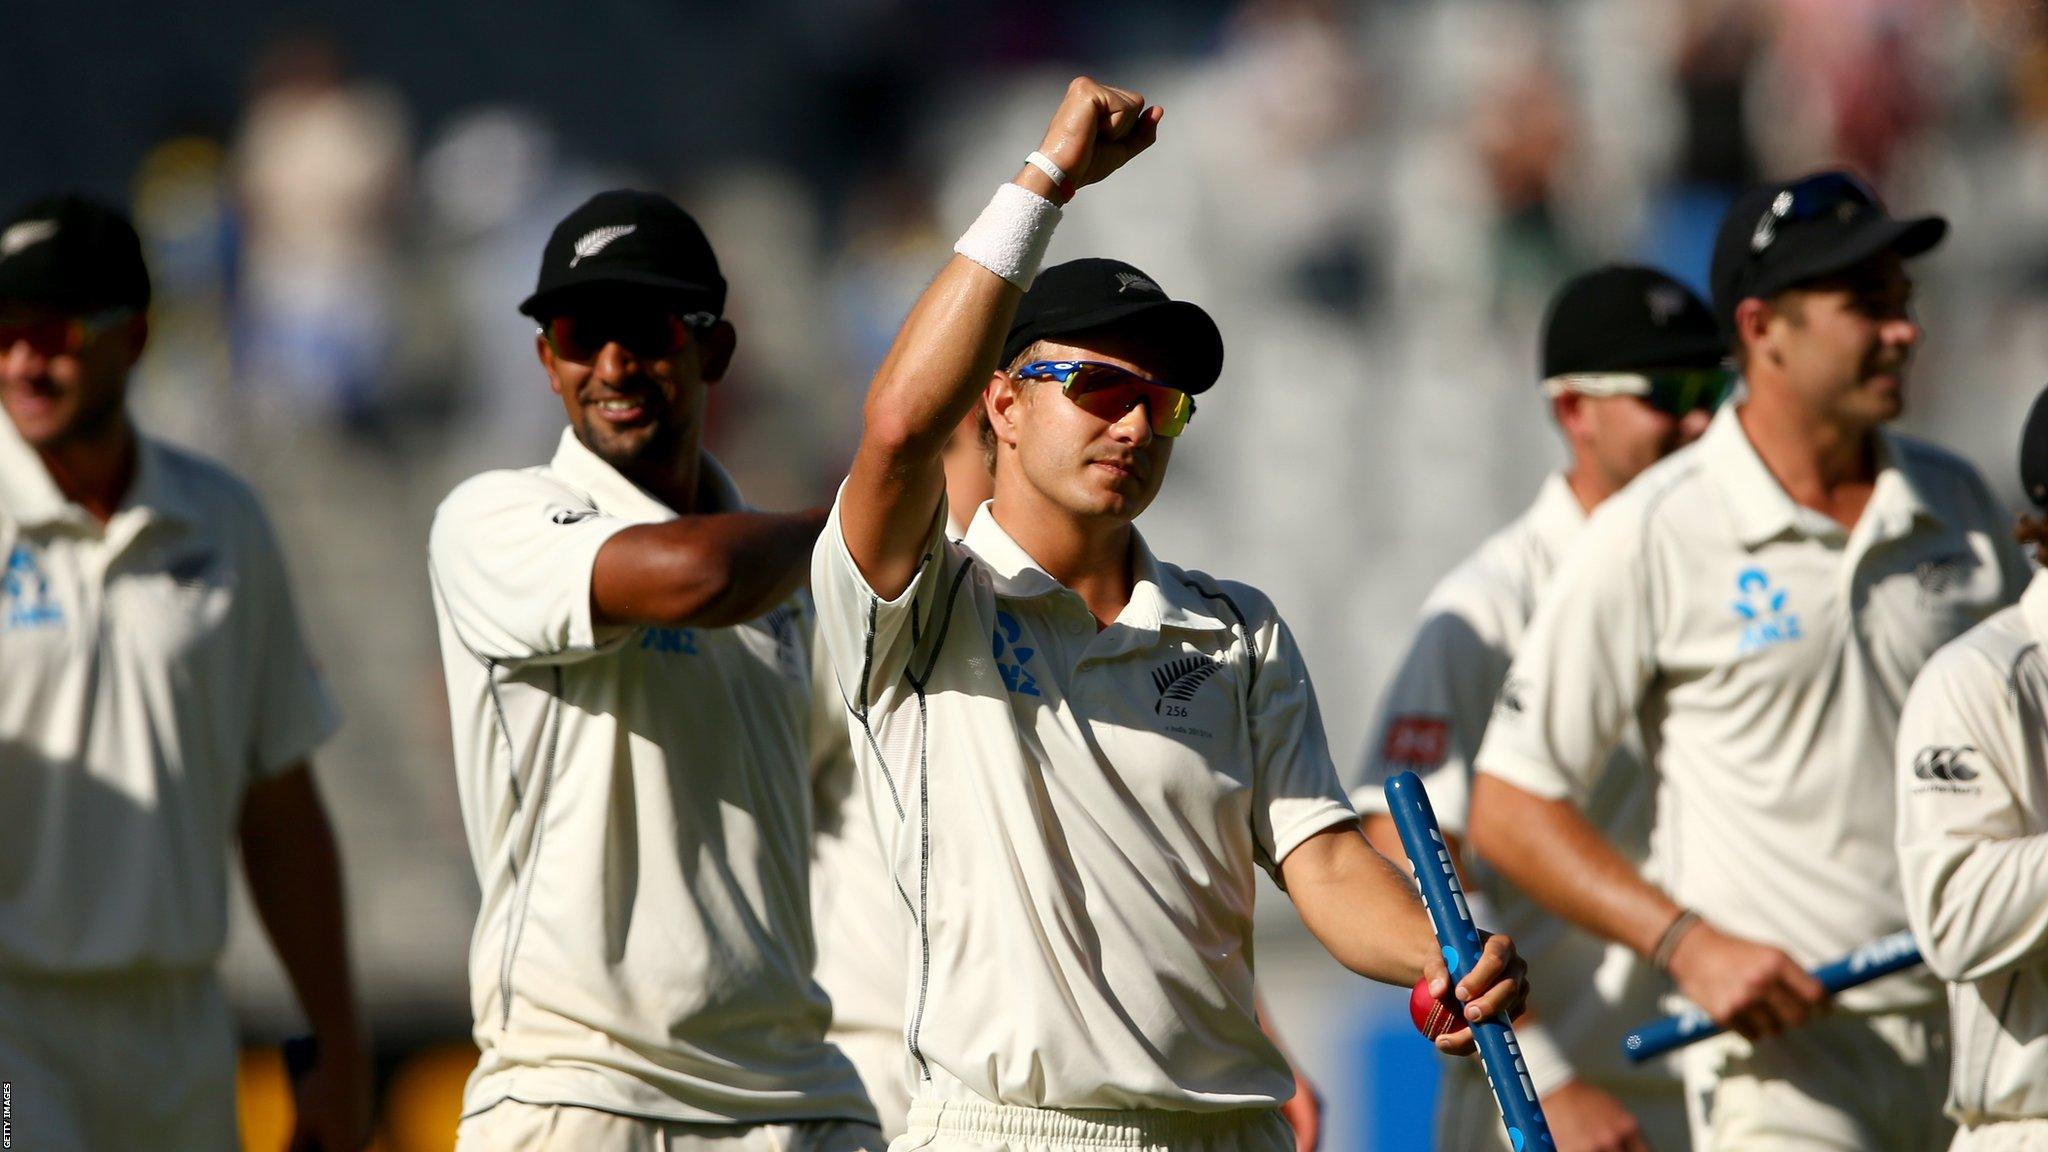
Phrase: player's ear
pixel 1000 400
pixel 546 356
pixel 1753 324
pixel 715 346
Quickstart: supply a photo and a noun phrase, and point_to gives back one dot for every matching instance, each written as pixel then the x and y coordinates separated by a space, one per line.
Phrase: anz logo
pixel 26 590
pixel 1762 612
pixel 669 641
pixel 1011 658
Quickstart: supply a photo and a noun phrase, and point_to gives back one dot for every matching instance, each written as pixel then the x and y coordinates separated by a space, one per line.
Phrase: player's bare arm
pixel 1358 905
pixel 1549 849
pixel 948 346
pixel 707 571
pixel 294 873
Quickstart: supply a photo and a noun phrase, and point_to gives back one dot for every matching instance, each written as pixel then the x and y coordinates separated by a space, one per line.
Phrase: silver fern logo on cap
pixel 595 241
pixel 19 236
pixel 1131 281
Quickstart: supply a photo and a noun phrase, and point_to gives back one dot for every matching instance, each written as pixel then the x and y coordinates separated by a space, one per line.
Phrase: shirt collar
pixel 609 489
pixel 1556 517
pixel 1160 598
pixel 2034 605
pixel 1761 509
pixel 32 499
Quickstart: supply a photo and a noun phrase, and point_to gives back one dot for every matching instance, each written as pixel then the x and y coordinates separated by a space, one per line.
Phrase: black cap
pixel 71 254
pixel 1782 235
pixel 2034 452
pixel 1623 318
pixel 636 240
pixel 1083 296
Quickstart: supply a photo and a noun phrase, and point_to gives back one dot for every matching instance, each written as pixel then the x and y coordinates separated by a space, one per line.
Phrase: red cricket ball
pixel 1433 1017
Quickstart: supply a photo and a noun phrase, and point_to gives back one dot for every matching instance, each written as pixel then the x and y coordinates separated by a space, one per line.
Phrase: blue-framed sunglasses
pixel 1822 194
pixel 1108 392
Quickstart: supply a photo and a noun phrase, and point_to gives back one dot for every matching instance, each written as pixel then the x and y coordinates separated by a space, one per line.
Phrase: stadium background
pixel 343 203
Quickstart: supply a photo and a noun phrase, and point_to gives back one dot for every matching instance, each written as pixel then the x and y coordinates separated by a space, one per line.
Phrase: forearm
pixel 1549 850
pixel 703 571
pixel 294 873
pixel 1359 907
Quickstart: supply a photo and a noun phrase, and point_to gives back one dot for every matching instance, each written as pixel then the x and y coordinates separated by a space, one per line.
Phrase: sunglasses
pixel 60 335
pixel 1824 194
pixel 1674 392
pixel 1108 392
pixel 648 335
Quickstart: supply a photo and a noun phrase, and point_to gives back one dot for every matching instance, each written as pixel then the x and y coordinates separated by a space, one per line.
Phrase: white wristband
pixel 1010 236
pixel 1043 163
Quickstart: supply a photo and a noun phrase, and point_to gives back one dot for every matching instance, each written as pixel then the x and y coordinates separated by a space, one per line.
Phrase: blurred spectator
pixel 323 162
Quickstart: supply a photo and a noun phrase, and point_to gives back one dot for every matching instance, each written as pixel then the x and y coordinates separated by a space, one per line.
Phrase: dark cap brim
pixel 1190 343
pixel 1908 238
pixel 577 282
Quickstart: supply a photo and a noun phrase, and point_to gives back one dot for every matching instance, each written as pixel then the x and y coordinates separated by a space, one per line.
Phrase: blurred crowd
pixel 1375 201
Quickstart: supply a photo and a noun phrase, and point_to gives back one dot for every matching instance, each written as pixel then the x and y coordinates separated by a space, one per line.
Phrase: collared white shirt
pixel 1074 817
pixel 1766 652
pixel 636 805
pixel 151 668
pixel 1972 786
pixel 1431 723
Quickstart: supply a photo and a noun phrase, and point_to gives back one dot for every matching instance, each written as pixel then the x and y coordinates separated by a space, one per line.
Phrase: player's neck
pixel 94 471
pixel 1590 486
pixel 1822 463
pixel 1091 556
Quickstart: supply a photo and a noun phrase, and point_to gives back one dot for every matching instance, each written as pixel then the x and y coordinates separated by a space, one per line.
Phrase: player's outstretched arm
pixel 294 873
pixel 1358 905
pixel 947 349
pixel 707 571
pixel 1548 849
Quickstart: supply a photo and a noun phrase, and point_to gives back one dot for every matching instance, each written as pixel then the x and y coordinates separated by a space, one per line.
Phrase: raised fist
pixel 1096 129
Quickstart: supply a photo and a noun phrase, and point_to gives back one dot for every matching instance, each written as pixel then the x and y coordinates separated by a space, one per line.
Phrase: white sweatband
pixel 1010 236
pixel 1549 1068
pixel 1044 163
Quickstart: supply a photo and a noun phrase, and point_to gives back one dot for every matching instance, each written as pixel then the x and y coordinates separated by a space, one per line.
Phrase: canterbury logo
pixel 1132 282
pixel 594 241
pixel 1940 763
pixel 22 235
pixel 1181 679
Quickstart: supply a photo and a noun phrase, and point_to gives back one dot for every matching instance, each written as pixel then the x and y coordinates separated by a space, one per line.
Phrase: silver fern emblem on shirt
pixel 595 240
pixel 1181 679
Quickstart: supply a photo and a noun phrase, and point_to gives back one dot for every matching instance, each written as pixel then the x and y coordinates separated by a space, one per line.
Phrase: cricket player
pixel 1758 603
pixel 861 968
pixel 1972 778
pixel 629 679
pixel 1632 363
pixel 1077 753
pixel 157 702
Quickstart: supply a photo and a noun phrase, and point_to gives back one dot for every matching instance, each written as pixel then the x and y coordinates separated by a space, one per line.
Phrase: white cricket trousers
pixel 123 1060
pixel 975 1126
pixel 2003 1136
pixel 1840 1083
pixel 514 1126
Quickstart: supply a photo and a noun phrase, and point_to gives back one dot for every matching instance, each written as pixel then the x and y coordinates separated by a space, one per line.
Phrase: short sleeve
pixel 1582 669
pixel 1296 793
pixel 871 641
pixel 1434 716
pixel 1974 873
pixel 293 714
pixel 510 556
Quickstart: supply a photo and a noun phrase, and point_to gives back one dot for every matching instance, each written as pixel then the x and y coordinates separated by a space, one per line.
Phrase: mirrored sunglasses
pixel 1108 392
pixel 1674 392
pixel 59 335
pixel 579 338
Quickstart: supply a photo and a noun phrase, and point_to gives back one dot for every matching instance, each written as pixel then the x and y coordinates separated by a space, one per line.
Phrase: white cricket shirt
pixel 151 668
pixel 1588 991
pixel 1074 816
pixel 636 802
pixel 1972 779
pixel 1766 652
